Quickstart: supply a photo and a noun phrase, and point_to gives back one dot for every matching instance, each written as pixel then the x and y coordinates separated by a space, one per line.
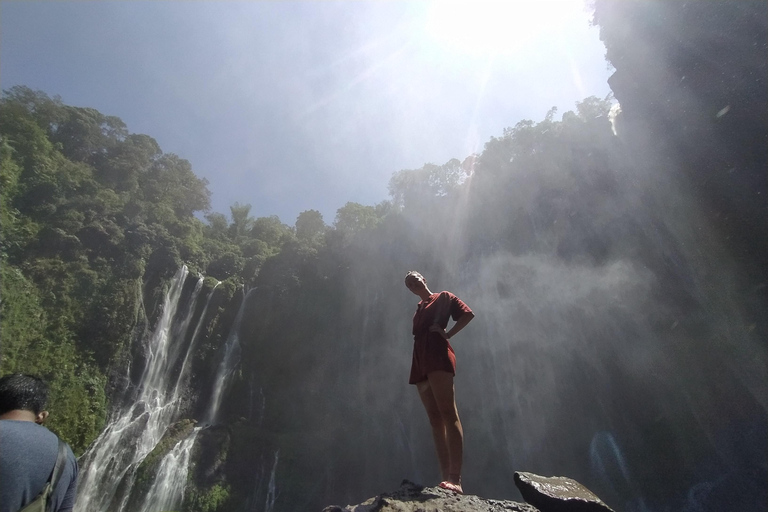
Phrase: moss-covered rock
pixel 147 470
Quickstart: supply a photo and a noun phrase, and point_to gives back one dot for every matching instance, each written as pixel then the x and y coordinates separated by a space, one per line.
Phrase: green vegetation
pixel 210 500
pixel 89 212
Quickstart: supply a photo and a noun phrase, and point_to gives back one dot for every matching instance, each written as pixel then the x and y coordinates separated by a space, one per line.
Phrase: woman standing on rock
pixel 433 369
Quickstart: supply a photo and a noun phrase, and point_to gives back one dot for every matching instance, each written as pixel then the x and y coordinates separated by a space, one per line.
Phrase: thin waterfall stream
pixel 272 493
pixel 167 491
pixel 229 361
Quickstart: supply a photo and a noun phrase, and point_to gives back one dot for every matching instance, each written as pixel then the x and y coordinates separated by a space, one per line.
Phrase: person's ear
pixel 41 417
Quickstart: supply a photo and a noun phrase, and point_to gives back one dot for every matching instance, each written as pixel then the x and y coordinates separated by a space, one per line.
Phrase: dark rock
pixel 692 81
pixel 558 494
pixel 411 497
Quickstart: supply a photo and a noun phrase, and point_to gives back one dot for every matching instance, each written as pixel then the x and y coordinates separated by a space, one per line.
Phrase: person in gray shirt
pixel 28 450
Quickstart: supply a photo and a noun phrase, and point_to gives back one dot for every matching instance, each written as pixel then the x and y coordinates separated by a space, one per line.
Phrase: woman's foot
pixel 452 487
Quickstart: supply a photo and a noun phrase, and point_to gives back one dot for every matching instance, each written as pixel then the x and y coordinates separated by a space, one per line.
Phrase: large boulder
pixel 411 497
pixel 558 494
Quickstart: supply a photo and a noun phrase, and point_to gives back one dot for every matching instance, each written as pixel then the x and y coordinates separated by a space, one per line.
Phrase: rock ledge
pixel 543 494
pixel 411 497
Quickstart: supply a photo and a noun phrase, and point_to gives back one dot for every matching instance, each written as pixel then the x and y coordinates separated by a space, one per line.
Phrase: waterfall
pixel 269 504
pixel 167 491
pixel 229 361
pixel 192 341
pixel 262 405
pixel 109 466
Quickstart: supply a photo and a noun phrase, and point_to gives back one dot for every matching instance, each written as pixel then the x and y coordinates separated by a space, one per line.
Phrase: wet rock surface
pixel 558 494
pixel 411 497
pixel 542 494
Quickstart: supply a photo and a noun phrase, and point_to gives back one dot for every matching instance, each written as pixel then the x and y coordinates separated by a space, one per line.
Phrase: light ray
pixel 356 80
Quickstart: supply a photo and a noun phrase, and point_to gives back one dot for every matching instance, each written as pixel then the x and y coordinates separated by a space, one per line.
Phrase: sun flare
pixel 489 27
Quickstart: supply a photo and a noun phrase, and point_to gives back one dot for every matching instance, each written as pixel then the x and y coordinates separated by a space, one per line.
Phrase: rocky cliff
pixel 692 81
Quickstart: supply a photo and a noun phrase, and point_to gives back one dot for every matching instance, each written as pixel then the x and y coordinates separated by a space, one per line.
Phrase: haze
pixel 291 106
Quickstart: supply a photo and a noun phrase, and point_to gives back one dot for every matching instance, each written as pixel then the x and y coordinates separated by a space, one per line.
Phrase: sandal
pixel 452 487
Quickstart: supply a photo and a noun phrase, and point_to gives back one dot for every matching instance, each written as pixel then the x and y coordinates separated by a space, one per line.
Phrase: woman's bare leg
pixel 441 385
pixel 438 427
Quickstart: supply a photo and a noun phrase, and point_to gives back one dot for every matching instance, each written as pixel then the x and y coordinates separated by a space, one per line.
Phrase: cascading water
pixel 192 341
pixel 167 491
pixel 269 504
pixel 229 361
pixel 261 400
pixel 109 466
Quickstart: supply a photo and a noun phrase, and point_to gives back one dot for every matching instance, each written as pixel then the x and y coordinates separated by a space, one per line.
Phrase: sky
pixel 291 106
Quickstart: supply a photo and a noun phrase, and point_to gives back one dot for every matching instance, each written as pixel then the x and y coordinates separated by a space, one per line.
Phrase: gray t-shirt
pixel 27 455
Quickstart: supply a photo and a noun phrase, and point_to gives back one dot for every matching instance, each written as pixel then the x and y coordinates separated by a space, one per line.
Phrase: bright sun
pixel 486 28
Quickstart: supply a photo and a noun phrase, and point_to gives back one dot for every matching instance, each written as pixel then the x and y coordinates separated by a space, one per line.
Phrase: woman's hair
pixel 414 274
pixel 22 392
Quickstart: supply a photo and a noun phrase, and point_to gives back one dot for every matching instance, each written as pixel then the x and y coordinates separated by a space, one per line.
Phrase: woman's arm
pixel 459 325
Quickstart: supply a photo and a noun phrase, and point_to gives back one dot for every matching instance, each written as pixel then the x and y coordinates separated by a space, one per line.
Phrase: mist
pixel 612 342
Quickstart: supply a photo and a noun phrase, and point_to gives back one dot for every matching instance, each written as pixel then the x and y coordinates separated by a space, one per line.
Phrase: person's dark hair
pixel 23 392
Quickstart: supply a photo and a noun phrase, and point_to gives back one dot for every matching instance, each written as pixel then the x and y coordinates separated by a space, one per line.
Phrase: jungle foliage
pixel 92 216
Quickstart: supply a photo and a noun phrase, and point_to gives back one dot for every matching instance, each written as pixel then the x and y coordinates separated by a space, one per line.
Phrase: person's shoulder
pixel 457 302
pixel 26 431
pixel 70 454
pixel 74 467
pixel 24 425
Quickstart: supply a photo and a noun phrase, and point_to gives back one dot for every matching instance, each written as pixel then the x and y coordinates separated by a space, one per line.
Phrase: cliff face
pixel 692 80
